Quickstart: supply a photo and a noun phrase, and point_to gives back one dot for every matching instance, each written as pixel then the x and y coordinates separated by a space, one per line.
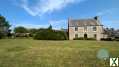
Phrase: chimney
pixel 96 17
pixel 98 20
pixel 69 19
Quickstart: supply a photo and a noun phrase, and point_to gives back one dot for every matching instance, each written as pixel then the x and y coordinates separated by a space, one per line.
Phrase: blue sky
pixel 42 13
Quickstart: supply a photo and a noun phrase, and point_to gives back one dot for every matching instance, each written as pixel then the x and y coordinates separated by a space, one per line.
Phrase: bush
pixel 90 39
pixel 2 35
pixel 41 35
pixel 82 38
pixel 106 39
pixel 116 39
pixel 46 34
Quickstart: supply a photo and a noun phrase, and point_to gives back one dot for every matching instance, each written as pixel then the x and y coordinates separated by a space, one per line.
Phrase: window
pixel 85 28
pixel 76 35
pixel 94 28
pixel 76 28
pixel 95 35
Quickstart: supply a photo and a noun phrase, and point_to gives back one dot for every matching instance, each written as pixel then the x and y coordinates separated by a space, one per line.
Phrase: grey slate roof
pixel 84 22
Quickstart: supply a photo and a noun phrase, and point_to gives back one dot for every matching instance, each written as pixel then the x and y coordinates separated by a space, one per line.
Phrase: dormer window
pixel 94 28
pixel 76 28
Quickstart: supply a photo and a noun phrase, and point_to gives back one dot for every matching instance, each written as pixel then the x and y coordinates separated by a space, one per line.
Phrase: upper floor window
pixel 94 28
pixel 85 28
pixel 76 28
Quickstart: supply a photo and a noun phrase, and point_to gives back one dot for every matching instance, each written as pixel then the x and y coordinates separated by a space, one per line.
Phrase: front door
pixel 85 36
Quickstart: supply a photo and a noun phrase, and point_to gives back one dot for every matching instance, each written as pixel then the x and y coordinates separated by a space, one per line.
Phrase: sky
pixel 42 13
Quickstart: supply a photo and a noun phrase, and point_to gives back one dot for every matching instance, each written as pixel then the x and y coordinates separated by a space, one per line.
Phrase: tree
pixel 50 27
pixel 110 32
pixel 32 31
pixel 4 22
pixel 4 26
pixel 48 34
pixel 20 30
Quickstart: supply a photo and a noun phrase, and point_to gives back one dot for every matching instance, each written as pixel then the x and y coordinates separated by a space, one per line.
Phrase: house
pixel 86 28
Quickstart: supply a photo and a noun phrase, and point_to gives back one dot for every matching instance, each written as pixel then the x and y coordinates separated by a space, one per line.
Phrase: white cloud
pixel 46 6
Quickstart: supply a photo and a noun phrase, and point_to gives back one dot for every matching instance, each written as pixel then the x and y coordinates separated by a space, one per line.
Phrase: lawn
pixel 37 53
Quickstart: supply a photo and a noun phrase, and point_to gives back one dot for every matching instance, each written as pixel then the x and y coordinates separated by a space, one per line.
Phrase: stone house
pixel 86 28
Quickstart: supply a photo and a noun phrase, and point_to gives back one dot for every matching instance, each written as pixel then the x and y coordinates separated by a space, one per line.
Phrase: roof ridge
pixel 83 22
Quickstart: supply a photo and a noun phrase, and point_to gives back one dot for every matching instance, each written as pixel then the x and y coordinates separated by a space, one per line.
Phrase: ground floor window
pixel 95 36
pixel 76 35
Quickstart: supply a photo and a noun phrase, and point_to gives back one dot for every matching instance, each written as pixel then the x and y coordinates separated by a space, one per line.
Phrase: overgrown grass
pixel 37 53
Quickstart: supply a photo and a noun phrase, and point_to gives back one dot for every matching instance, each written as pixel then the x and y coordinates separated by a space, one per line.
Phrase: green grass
pixel 37 53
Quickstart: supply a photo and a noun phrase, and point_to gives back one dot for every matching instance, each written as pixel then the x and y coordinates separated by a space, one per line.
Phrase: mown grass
pixel 37 53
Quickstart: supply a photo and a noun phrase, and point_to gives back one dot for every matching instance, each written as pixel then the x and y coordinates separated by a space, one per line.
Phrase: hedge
pixel 82 38
pixel 2 35
pixel 46 34
pixel 106 39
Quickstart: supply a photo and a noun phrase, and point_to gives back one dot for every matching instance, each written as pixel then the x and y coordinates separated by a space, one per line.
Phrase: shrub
pixel 46 34
pixel 41 35
pixel 116 39
pixel 82 38
pixel 2 35
pixel 90 39
pixel 106 39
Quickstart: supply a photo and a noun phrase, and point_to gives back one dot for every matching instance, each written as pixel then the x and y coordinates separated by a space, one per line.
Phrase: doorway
pixel 85 36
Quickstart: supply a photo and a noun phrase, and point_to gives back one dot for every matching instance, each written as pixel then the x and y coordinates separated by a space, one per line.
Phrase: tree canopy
pixel 4 22
pixel 20 30
pixel 4 27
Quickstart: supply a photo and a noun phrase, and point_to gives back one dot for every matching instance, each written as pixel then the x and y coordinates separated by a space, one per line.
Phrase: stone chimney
pixel 96 17
pixel 69 19
pixel 98 20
